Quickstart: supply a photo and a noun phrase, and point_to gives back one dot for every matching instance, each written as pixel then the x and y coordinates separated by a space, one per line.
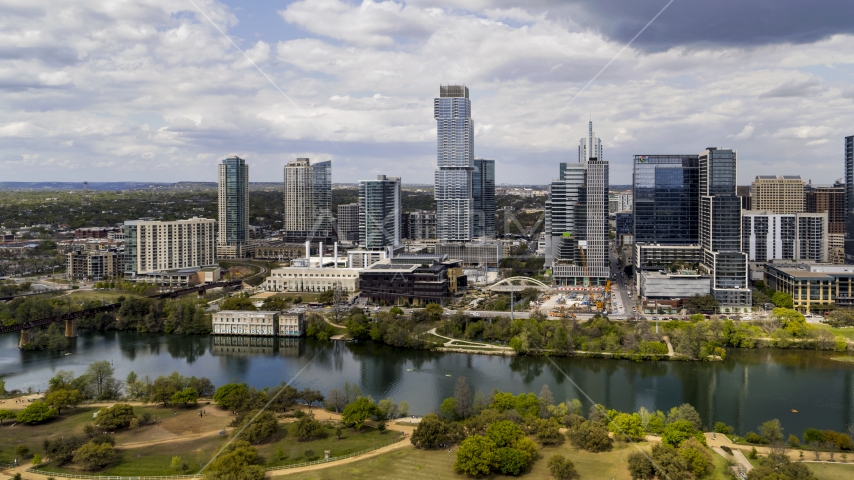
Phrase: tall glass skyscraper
pixel 849 199
pixel 483 195
pixel 455 162
pixel 307 199
pixel 233 189
pixel 666 196
pixel 379 212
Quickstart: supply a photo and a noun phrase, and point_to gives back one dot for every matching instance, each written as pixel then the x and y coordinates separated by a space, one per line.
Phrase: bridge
pixel 70 318
pixel 510 284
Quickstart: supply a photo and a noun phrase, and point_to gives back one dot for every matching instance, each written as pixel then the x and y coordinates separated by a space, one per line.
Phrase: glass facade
pixel 483 195
pixel 455 160
pixel 849 199
pixel 379 212
pixel 233 228
pixel 666 199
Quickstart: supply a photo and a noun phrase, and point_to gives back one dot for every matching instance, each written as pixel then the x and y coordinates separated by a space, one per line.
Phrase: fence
pixel 179 477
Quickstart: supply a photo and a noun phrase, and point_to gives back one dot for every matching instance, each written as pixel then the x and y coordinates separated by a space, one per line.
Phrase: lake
pixel 749 387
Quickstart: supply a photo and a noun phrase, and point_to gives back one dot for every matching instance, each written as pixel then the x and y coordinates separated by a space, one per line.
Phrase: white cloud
pixel 745 133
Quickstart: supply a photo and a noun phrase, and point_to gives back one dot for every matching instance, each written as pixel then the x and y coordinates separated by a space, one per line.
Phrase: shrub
pixel 561 468
pixel 93 456
pixel 307 428
pixel 22 450
pixel 590 436
pixel 640 466
pixel 36 412
pixel 117 416
pixel 261 427
pixel 511 461
pixel 477 455
pixel 677 432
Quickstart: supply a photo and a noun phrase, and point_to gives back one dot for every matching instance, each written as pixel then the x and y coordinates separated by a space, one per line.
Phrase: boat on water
pixel 794 411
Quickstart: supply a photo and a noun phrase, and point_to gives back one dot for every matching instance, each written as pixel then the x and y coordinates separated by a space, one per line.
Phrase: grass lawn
pixel 294 451
pixel 465 344
pixel 71 421
pixel 841 332
pixel 155 459
pixel 429 337
pixel 830 471
pixel 413 464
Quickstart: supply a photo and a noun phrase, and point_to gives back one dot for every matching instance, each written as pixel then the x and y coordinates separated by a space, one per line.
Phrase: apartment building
pixel 778 193
pixel 154 245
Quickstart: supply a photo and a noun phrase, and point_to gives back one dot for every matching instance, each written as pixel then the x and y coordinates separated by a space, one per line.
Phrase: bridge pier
pixel 70 328
pixel 25 337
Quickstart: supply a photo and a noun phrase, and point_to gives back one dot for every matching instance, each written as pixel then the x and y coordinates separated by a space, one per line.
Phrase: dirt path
pixel 450 343
pixel 670 351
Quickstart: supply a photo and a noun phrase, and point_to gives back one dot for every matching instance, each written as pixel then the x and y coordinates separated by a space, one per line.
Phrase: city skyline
pixel 77 109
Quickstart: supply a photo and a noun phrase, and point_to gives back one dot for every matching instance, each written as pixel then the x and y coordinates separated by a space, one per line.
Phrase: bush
pixel 640 466
pixel 561 468
pixel 504 433
pixel 22 450
pixel 93 456
pixel 430 432
pixel 511 461
pixel 235 462
pixel 61 450
pixel 590 436
pixel 677 432
pixel 115 417
pixel 36 412
pixel 307 428
pixel 753 437
pixel 261 427
pixel 477 455
pixel 721 427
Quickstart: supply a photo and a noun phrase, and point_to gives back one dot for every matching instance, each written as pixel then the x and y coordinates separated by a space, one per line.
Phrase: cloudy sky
pixel 155 90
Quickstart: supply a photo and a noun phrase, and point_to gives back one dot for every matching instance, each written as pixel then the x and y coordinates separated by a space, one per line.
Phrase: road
pixel 622 287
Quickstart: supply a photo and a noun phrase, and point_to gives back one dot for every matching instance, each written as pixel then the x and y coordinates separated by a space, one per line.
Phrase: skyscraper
pixel 379 212
pixel 576 218
pixel 849 199
pixel 666 199
pixel 483 195
pixel 720 228
pixel 307 198
pixel 455 162
pixel 233 188
pixel 348 222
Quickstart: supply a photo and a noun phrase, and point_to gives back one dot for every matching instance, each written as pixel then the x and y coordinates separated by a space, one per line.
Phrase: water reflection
pixel 745 390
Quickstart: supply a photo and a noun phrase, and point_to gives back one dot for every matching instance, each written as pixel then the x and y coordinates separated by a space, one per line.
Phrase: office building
pixel 743 192
pixel 151 246
pixel 769 236
pixel 348 222
pixel 486 254
pixel 666 195
pixel 576 216
pixel 849 199
pixel 778 194
pixel 483 198
pixel 239 322
pixel 720 230
pixel 420 225
pixel 311 279
pixel 307 197
pixel 830 199
pixel 813 287
pixel 233 190
pixel 455 162
pixel 626 202
pixel 379 212
pixel 414 279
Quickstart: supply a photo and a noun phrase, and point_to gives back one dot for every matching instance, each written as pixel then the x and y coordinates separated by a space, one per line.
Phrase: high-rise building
pixel 778 193
pixel 849 199
pixel 420 225
pixel 153 245
pixel 233 227
pixel 577 218
pixel 455 162
pixel 743 192
pixel 666 199
pixel 720 229
pixel 830 199
pixel 348 222
pixel 789 236
pixel 379 212
pixel 308 194
pixel 483 196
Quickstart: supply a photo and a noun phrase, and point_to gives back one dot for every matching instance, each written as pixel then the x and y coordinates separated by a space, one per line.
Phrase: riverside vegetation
pixel 498 433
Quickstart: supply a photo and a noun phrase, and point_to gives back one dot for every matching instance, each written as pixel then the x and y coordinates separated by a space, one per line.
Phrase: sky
pixel 161 90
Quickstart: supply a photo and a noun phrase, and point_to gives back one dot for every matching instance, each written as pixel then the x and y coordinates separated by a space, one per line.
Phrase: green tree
pixel 448 408
pixel 696 456
pixel 677 432
pixel 358 326
pixel 463 397
pixel 188 396
pixel 504 433
pixel 562 468
pixel 115 417
pixel 685 412
pixel 231 395
pixel 101 380
pixel 434 311
pixel 7 415
pixel 701 303
pixel 356 413
pixel 396 311
pixel 36 412
pixel 263 426
pixel 511 461
pixel 627 426
pixel 793 321
pixel 236 462
pixel 238 303
pixel 640 467
pixel 93 456
pixel 176 463
pixel 430 432
pixel 477 455
pixel 772 431
pixel 782 299
pixel 307 428
pixel 590 436
pixel 60 398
